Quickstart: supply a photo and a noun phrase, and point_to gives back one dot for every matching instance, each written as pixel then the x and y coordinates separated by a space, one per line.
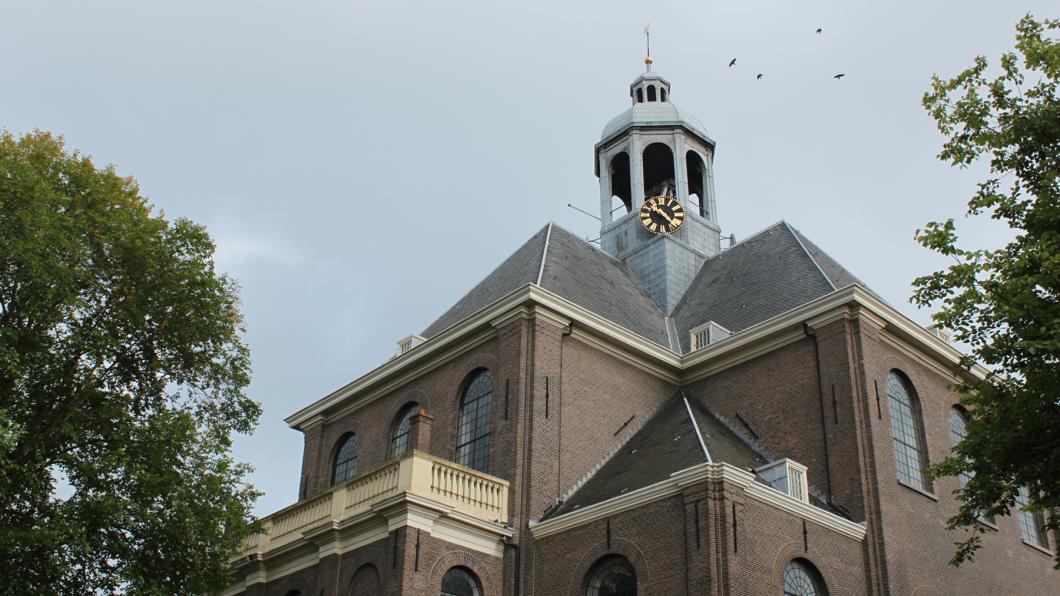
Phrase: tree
pixel 1003 302
pixel 122 378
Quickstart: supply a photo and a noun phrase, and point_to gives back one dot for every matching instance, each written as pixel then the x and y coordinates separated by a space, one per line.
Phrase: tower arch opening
pixel 640 95
pixel 696 170
pixel 619 170
pixel 658 170
pixel 651 92
pixel 662 94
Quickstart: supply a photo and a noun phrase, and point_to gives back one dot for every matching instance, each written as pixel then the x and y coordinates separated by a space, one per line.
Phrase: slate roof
pixel 765 275
pixel 665 444
pixel 574 270
pixel 772 272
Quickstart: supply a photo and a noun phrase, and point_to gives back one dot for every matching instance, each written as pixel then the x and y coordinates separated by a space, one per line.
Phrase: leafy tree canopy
pixel 1003 302
pixel 122 378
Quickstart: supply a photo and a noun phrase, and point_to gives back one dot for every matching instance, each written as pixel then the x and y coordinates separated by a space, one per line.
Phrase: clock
pixel 662 215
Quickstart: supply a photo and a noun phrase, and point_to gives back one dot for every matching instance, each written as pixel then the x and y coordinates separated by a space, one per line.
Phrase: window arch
pixel 459 581
pixel 618 168
pixel 802 579
pixel 473 432
pixel 1032 523
pixel 662 93
pixel 696 169
pixel 399 436
pixel 959 428
pixel 612 575
pixel 907 431
pixel 659 176
pixel 640 95
pixel 651 92
pixel 365 581
pixel 345 465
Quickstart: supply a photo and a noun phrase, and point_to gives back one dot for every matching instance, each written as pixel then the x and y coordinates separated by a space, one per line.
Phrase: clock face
pixel 662 215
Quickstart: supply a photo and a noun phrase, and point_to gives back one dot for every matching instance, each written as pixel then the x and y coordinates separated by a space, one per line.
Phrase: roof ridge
pixel 715 258
pixel 795 235
pixel 544 253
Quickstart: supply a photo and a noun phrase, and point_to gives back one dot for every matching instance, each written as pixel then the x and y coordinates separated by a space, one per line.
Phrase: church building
pixel 665 414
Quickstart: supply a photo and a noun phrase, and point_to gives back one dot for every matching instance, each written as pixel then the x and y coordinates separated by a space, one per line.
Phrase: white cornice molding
pixel 678 481
pixel 850 302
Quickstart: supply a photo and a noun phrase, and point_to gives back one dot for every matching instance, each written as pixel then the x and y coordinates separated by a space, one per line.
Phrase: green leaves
pixel 122 378
pixel 1004 303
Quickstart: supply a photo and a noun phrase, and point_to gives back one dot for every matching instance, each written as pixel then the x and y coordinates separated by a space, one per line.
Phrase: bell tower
pixel 654 149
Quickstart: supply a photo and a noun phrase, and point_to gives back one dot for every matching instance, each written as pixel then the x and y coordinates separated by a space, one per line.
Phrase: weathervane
pixel 647 41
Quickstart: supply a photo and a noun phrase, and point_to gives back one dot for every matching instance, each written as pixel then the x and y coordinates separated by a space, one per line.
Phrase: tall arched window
pixel 651 92
pixel 659 171
pixel 473 432
pixel 1032 523
pixel 612 575
pixel 640 95
pixel 460 582
pixel 801 579
pixel 620 181
pixel 958 428
pixel 345 459
pixel 662 93
pixel 907 430
pixel 696 180
pixel 365 581
pixel 399 437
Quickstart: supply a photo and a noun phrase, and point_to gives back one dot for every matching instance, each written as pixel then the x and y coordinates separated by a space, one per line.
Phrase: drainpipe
pixel 508 543
pixel 811 332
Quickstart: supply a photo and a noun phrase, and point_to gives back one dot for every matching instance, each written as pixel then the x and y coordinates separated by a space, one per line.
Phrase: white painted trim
pixel 695 425
pixel 852 301
pixel 544 253
pixel 694 475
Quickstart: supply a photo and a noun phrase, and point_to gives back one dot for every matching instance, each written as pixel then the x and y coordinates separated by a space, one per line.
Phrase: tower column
pixel 637 166
pixel 708 189
pixel 605 190
pixel 680 175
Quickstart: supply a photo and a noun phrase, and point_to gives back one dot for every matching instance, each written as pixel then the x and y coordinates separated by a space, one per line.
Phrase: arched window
pixel 958 428
pixel 662 93
pixel 345 459
pixel 460 582
pixel 659 171
pixel 696 180
pixel 620 181
pixel 907 430
pixel 473 432
pixel 612 575
pixel 399 437
pixel 640 95
pixel 801 579
pixel 365 581
pixel 651 92
pixel 1032 523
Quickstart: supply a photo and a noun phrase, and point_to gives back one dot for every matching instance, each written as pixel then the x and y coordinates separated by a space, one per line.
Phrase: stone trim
pixel 700 473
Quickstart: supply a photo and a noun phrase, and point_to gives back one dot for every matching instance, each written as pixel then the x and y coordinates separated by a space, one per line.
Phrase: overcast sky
pixel 362 165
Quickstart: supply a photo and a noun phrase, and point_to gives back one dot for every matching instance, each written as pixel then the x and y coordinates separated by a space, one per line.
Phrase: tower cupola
pixel 657 154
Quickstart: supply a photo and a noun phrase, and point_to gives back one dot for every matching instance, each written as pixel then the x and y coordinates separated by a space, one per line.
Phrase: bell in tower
pixel 657 212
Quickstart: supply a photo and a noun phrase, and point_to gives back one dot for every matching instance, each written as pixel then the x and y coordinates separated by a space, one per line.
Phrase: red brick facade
pixel 561 405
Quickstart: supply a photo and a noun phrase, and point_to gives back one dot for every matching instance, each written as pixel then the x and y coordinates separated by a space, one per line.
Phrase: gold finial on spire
pixel 647 41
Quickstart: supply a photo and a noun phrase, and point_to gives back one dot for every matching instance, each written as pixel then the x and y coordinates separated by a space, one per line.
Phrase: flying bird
pixel 839 76
pixel 733 62
pixel 759 76
pixel 818 30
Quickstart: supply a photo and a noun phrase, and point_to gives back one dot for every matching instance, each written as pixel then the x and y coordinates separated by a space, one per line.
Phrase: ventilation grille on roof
pixel 404 346
pixel 708 333
pixel 788 477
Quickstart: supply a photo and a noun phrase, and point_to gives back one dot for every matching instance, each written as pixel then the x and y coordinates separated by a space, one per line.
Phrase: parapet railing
pixel 467 491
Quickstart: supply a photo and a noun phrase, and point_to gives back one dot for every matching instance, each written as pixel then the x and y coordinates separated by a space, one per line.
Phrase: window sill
pixel 919 491
pixel 1037 547
pixel 987 524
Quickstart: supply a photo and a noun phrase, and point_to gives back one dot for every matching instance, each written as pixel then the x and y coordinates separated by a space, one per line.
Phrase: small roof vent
pixel 940 333
pixel 787 476
pixel 405 345
pixel 708 333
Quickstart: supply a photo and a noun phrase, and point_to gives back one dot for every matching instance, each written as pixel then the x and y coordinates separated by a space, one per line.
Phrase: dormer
pixel 787 476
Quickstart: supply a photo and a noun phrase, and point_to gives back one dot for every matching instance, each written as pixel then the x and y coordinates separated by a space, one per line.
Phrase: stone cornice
pixel 532 301
pixel 678 481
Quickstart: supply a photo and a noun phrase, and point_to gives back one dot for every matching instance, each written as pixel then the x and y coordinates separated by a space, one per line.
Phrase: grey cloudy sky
pixel 361 165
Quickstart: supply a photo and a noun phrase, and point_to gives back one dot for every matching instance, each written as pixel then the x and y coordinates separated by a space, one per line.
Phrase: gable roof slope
pixel 757 279
pixel 519 269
